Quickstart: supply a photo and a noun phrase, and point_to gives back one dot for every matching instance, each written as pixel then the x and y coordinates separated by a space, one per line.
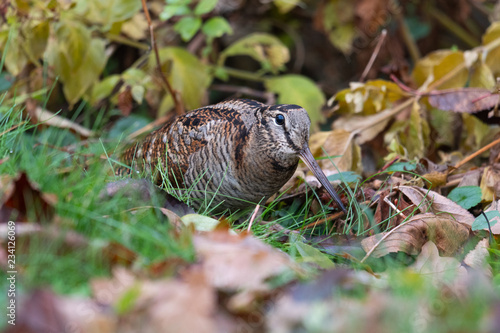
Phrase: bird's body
pixel 229 155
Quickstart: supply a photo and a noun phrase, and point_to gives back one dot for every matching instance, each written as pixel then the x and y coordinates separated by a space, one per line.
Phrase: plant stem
pixel 454 28
pixel 245 75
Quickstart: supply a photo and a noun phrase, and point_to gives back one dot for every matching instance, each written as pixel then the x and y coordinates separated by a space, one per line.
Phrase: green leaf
pixel 128 299
pixel 338 21
pixel 402 167
pixel 5 84
pixel 103 89
pixel 311 254
pixel 300 90
pixel 284 6
pixel 480 222
pixel 205 6
pixel 187 74
pixel 36 40
pixel 138 93
pixel 174 10
pixel 216 27
pixel 15 57
pixel 466 196
pixel 108 12
pixel 77 58
pixel 200 222
pixel 264 48
pixel 187 27
pixel 127 125
pixel 346 176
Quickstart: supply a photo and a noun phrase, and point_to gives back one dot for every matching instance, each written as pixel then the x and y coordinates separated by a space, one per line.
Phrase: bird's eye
pixel 280 119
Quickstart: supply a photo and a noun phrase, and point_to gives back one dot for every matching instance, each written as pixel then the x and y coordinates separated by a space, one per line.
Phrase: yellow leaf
pixel 492 34
pixel 482 77
pixel 186 73
pixel 436 65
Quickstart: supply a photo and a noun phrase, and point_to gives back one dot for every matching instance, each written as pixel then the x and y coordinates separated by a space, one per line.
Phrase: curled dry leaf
pixel 430 200
pixel 431 265
pixel 185 304
pixel 43 311
pixel 239 262
pixel 478 258
pixel 469 100
pixel 337 144
pixel 367 126
pixel 18 194
pixel 51 119
pixel 490 183
pixel 443 230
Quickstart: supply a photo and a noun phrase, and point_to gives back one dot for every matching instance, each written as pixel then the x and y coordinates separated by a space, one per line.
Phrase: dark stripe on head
pixel 290 142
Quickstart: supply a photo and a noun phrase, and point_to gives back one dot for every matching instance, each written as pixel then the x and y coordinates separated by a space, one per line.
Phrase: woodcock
pixel 230 155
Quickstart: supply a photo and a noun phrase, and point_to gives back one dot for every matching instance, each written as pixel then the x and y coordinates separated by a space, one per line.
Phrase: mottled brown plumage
pixel 230 155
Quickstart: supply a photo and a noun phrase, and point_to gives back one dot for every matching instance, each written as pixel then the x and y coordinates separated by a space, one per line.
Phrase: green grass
pixel 77 178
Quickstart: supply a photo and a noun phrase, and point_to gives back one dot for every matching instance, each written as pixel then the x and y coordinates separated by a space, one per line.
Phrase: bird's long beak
pixel 308 158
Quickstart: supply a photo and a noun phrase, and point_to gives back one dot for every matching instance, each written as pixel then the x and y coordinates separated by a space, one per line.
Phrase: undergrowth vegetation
pixel 403 99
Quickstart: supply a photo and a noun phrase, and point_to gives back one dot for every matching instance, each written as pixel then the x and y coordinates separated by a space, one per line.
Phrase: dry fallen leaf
pixel 368 126
pixel 478 257
pixel 43 311
pixel 439 269
pixel 239 262
pixel 490 183
pixel 185 304
pixel 337 144
pixel 18 194
pixel 469 100
pixel 448 234
pixel 430 200
pixel 52 119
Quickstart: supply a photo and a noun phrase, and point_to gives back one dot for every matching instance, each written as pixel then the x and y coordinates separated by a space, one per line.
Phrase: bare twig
pixel 477 153
pixel 387 201
pixel 253 217
pixel 321 221
pixel 179 108
pixel 375 53
pixel 13 128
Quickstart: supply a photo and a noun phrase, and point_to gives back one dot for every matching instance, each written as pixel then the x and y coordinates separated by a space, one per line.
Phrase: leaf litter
pixel 237 282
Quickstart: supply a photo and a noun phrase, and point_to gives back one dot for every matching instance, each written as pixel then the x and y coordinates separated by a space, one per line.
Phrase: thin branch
pixel 375 53
pixel 253 217
pixel 477 153
pixel 452 26
pixel 179 108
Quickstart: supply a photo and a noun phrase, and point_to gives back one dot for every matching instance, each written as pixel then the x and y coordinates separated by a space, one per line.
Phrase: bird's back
pixel 204 152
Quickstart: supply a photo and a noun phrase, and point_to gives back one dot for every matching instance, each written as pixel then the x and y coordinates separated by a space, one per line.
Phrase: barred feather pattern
pixel 230 155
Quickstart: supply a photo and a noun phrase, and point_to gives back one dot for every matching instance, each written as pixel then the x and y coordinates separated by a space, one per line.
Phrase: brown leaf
pixel 52 119
pixel 239 262
pixel 431 265
pixel 490 183
pixel 427 199
pixel 43 311
pixel 186 304
pixel 125 101
pixel 478 258
pixel 18 194
pixel 469 100
pixel 448 234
